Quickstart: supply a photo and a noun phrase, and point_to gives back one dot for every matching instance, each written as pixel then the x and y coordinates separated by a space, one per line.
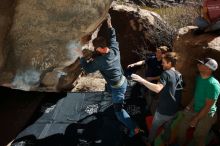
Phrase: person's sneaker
pixel 135 132
pixel 138 131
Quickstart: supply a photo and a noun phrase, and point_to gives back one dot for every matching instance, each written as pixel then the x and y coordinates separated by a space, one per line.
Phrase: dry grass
pixel 177 17
pixel 90 83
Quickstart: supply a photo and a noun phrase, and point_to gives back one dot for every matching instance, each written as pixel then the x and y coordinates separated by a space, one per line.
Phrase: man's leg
pixel 183 127
pixel 167 130
pixel 158 121
pixel 202 129
pixel 121 114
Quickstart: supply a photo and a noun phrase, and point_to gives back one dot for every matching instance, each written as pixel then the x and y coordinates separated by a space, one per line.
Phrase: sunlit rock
pixel 40 45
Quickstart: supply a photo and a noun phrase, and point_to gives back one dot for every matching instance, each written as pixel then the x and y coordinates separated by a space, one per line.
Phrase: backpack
pixel 213 8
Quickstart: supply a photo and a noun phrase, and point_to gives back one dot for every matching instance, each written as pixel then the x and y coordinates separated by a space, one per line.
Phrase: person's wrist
pixel 142 80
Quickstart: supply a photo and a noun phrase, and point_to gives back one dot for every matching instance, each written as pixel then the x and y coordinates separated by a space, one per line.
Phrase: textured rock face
pixel 191 47
pixel 39 49
pixel 6 14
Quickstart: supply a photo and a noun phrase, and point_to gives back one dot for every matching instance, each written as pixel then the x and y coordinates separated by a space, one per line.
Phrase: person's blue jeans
pixel 118 95
pixel 203 24
pixel 158 121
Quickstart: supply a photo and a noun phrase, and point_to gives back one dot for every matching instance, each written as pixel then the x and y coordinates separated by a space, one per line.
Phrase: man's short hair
pixel 99 42
pixel 164 49
pixel 171 57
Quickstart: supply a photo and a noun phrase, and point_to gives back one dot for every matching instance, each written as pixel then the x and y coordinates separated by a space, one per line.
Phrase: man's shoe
pixel 135 132
pixel 138 131
pixel 141 133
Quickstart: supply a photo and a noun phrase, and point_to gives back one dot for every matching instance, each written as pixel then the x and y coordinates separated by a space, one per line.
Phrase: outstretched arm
pixel 153 87
pixel 142 62
pixel 112 34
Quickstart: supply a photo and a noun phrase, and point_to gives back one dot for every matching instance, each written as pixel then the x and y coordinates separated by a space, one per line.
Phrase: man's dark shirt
pixel 154 67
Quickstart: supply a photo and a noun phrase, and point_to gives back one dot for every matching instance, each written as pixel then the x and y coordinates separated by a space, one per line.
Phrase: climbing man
pixel 107 61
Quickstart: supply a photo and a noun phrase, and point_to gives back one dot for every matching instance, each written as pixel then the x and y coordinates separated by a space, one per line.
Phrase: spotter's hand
pixel 137 78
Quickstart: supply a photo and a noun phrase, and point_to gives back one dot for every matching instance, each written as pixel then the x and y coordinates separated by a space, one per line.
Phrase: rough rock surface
pixel 38 52
pixel 39 49
pixel 37 45
pixel 6 14
pixel 191 47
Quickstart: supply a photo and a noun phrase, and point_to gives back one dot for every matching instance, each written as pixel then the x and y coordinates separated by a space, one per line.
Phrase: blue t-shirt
pixel 170 98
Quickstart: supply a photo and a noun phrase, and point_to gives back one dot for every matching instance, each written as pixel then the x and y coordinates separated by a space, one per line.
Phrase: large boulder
pixel 191 47
pixel 39 49
pixel 138 31
pixel 38 52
